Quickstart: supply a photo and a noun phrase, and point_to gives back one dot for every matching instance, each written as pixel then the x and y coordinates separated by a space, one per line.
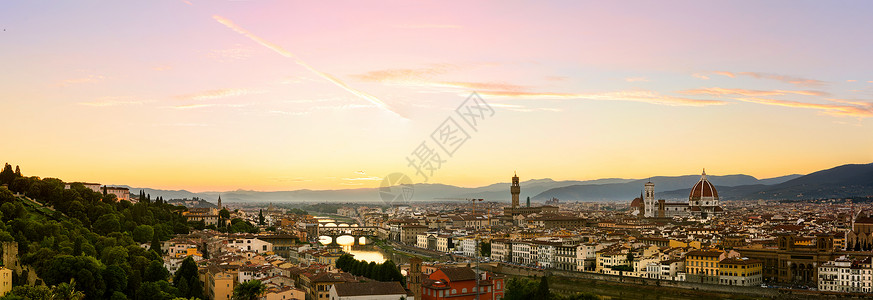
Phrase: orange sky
pixel 292 95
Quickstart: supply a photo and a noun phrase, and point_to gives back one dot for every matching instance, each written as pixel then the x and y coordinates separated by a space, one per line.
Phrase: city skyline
pixel 282 96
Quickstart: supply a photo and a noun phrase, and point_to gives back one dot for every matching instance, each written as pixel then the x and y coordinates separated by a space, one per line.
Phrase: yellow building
pixel 5 280
pixel 605 260
pixel 702 262
pixel 742 272
pixel 219 284
pixel 681 244
pixel 319 284
pixel 328 258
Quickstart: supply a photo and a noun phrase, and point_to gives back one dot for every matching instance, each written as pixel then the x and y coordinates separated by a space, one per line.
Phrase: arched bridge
pixel 355 232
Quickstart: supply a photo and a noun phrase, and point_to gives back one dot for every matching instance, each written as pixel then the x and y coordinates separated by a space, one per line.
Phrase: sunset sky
pixel 281 95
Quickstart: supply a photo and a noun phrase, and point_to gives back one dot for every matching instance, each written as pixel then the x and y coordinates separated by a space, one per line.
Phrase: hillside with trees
pixel 88 242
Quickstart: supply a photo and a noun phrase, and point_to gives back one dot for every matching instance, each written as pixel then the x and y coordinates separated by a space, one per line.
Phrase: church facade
pixel 702 202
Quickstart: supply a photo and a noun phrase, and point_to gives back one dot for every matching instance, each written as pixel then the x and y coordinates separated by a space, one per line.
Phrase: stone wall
pixel 10 260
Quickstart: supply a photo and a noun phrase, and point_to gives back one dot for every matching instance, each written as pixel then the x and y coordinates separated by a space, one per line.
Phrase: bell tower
pixel 515 190
pixel 414 283
pixel 649 201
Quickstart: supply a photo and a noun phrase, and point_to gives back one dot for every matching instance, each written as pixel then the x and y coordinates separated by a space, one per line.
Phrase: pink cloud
pixel 859 109
pixel 716 91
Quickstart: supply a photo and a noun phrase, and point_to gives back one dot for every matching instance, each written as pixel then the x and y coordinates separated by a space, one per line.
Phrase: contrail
pixel 285 53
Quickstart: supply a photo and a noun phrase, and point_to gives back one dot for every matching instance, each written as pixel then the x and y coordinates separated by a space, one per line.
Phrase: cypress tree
pixel 156 244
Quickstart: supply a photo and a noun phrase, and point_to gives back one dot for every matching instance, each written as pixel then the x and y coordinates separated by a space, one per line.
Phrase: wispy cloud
pixel 478 86
pixel 631 95
pixel 723 73
pixel 636 79
pixel 214 94
pixel 783 78
pixel 858 109
pixel 700 76
pixel 405 75
pixel 285 53
pixel 112 101
pixel 716 91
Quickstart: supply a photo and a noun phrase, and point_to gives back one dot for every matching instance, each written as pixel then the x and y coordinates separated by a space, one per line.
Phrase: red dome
pixel 702 189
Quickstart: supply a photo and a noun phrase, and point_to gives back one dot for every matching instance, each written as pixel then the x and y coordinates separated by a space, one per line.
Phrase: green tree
pixel 143 233
pixel 159 290
pixel 6 196
pixel 29 292
pixel 542 291
pixel 520 288
pixel 372 270
pixel 7 175
pixel 67 291
pixel 156 272
pixel 116 279
pixel 187 275
pixel 107 223
pixel 485 250
pixel 182 286
pixel 156 244
pixel 251 290
pixel 260 217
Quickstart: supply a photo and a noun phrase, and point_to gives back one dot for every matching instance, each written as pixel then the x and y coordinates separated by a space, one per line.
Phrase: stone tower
pixel 10 256
pixel 651 208
pixel 414 279
pixel 515 189
pixel 219 202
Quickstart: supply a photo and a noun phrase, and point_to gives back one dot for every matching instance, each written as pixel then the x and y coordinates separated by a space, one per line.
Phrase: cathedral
pixel 702 203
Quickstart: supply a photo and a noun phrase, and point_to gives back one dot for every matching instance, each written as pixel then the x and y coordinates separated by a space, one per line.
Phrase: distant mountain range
pixel 839 182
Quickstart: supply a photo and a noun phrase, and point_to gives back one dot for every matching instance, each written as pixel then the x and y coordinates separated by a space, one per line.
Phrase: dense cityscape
pixel 463 248
pixel 424 150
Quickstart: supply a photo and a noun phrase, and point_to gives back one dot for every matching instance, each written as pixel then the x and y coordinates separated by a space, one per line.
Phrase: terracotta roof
pixel 347 289
pixel 459 274
pixel 736 261
pixel 703 188
pixel 704 253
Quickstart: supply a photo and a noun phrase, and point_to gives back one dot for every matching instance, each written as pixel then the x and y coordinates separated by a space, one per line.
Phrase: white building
pixel 469 245
pixel 545 253
pixel 250 243
pixel 845 275
pixel 586 256
pixel 501 250
pixel 444 243
pixel 521 253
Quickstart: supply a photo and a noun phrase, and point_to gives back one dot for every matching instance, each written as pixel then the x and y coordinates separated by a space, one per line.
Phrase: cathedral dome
pixel 703 189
